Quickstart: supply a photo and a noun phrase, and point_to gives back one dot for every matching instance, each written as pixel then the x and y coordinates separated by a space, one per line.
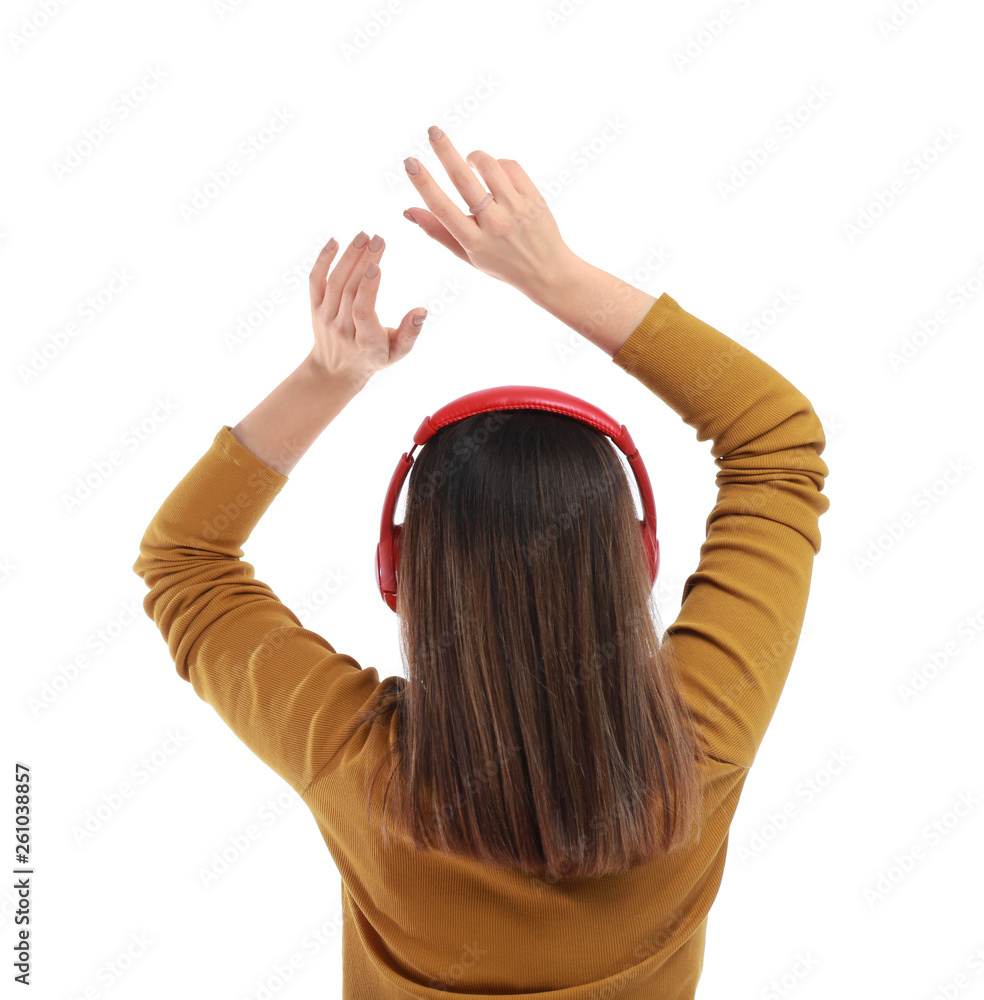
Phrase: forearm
pixel 599 306
pixel 281 428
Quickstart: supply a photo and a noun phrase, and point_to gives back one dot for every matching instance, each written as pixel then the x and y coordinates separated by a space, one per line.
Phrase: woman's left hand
pixel 349 340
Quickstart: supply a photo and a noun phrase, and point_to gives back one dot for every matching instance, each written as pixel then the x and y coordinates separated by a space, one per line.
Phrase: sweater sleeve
pixel 743 607
pixel 284 691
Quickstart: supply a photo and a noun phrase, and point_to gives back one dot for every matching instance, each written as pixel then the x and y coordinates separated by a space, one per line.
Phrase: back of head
pixel 538 726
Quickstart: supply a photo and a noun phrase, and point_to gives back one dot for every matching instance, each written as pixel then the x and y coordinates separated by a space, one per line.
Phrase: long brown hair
pixel 539 725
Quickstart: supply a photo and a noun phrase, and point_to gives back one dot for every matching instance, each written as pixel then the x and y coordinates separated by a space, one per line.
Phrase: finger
pixel 520 179
pixel 496 179
pixel 364 297
pixel 320 272
pixel 340 274
pixel 373 251
pixel 344 279
pixel 432 226
pixel 462 176
pixel 405 335
pixel 459 225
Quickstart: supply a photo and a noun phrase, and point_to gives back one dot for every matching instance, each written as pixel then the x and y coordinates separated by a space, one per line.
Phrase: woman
pixel 559 781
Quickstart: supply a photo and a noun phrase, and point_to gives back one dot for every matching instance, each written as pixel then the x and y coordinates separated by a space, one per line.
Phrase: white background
pixel 522 81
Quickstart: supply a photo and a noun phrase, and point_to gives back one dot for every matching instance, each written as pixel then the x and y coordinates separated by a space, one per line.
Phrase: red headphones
pixel 509 397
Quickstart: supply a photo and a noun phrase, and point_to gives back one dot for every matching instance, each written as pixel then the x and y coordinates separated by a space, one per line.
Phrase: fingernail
pixel 375 243
pixel 412 165
pixel 407 215
pixel 418 320
pixel 361 240
pixel 435 133
pixel 372 270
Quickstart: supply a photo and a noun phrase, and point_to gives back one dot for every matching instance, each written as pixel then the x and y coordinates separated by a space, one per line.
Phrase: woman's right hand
pixel 514 239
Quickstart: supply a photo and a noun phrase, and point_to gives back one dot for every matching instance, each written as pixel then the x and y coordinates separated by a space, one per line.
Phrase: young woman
pixel 559 777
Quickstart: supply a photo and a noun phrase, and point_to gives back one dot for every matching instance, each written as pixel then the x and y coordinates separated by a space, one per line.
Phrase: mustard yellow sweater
pixel 426 925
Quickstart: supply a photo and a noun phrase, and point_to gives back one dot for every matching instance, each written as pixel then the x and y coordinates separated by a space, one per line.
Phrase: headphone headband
pixel 510 397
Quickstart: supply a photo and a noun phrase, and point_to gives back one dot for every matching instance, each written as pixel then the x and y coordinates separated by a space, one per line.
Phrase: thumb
pixel 407 331
pixel 436 230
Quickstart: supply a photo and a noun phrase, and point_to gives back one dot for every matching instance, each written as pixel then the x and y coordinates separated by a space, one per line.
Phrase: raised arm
pixel 743 607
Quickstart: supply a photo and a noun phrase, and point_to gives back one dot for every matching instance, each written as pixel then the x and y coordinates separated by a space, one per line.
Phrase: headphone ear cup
pixel 651 549
pixel 397 531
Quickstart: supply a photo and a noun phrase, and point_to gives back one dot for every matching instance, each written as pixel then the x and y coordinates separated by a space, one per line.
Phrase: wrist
pixel 597 305
pixel 339 380
pixel 551 284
